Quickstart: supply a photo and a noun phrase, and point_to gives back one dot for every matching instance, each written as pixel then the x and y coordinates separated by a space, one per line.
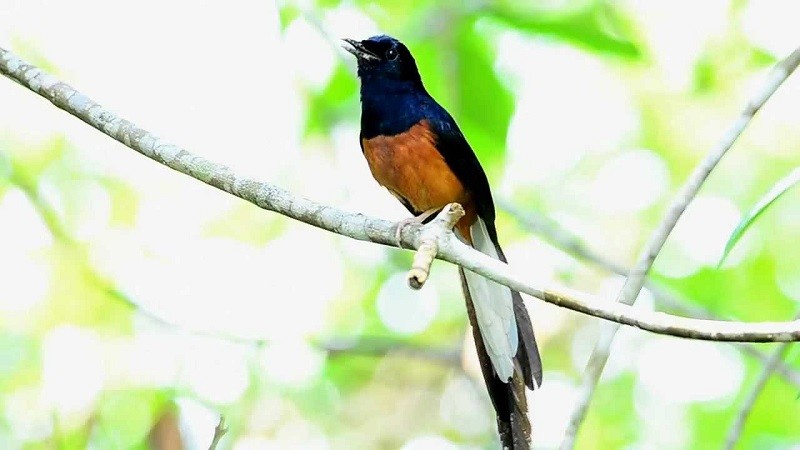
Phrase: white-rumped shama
pixel 415 149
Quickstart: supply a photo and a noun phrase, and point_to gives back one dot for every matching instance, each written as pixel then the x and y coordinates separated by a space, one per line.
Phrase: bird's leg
pixel 417 219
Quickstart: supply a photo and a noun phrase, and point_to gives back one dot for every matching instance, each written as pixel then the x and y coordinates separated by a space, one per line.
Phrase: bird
pixel 415 149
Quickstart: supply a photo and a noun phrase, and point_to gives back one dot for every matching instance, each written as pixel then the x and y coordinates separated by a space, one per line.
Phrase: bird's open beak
pixel 358 49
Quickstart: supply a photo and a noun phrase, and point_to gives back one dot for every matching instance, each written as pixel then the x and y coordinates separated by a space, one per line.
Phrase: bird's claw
pixel 398 232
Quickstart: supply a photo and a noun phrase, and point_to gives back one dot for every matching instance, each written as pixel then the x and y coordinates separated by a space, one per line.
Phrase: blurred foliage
pixel 597 26
pixel 780 188
pixel 362 378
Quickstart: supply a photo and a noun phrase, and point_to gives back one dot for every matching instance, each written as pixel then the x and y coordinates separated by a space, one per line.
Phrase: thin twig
pixel 568 242
pixel 358 226
pixel 561 238
pixel 636 278
pixel 789 374
pixel 558 235
pixel 219 431
pixel 738 424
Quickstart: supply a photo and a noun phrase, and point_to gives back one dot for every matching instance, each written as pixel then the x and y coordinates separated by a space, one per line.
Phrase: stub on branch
pixel 430 237
pixel 219 431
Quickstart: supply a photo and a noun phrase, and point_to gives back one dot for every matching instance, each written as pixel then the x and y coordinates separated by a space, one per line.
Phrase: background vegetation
pixel 136 304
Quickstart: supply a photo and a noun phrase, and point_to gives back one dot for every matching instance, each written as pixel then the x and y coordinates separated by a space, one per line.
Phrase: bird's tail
pixel 506 370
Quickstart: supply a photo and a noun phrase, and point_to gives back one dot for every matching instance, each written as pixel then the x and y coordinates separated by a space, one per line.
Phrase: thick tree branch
pixel 358 226
pixel 636 278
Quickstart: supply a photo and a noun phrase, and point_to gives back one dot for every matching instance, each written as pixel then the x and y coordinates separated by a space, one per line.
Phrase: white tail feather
pixel 494 309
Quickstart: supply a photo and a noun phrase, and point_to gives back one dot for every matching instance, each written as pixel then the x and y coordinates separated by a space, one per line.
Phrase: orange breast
pixel 411 168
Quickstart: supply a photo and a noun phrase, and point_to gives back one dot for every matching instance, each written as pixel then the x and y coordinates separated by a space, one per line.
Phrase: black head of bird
pixel 384 58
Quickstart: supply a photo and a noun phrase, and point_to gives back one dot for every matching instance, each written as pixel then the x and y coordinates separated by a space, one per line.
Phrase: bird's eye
pixel 391 54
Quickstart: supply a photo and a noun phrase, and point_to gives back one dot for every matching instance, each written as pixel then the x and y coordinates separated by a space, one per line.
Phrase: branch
pixel 358 226
pixel 786 371
pixel 361 345
pixel 689 190
pixel 573 245
pixel 561 238
pixel 376 346
pixel 356 345
pixel 738 424
pixel 428 248
pixel 351 345
pixel 219 431
pixel 636 279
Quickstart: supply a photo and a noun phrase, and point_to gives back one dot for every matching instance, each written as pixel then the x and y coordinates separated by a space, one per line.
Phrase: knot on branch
pixel 431 238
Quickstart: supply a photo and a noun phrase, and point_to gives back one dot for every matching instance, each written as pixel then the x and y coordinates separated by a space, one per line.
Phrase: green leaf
pixel 780 188
pixel 288 14
pixel 328 3
pixel 761 58
pixel 600 28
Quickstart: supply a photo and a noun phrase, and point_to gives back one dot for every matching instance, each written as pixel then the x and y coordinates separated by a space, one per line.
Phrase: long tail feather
pixel 508 399
pixel 528 351
pixel 505 343
pixel 494 308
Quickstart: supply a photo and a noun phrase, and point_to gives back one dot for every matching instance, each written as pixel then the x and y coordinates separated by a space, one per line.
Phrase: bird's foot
pixel 406 222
